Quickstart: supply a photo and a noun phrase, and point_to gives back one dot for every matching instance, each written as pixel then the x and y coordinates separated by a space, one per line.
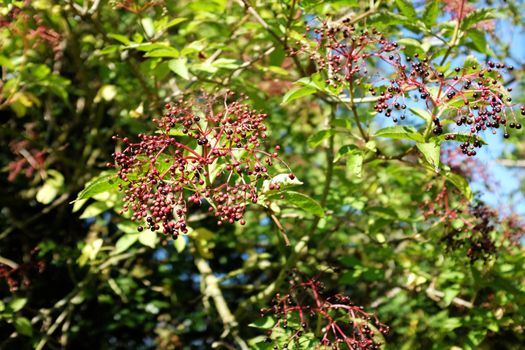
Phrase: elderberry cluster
pixel 207 151
pixel 468 227
pixel 336 320
pixel 475 236
pixel 473 96
pixel 343 51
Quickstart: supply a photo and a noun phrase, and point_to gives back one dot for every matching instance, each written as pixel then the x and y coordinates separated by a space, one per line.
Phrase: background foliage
pixel 79 275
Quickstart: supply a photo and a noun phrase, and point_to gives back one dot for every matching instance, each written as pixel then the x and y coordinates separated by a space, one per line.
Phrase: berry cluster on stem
pixel 473 96
pixel 208 151
pixel 335 320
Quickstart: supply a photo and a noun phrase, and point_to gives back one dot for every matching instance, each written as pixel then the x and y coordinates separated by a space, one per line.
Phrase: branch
pixel 455 35
pixel 8 262
pixel 437 295
pixel 519 163
pixel 211 289
pixel 283 41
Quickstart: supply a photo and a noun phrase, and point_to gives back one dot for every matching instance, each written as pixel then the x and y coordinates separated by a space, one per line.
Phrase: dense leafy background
pixel 74 73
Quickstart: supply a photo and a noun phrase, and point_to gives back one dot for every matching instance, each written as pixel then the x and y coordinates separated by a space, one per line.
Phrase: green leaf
pixel 125 242
pixel 406 8
pixel 479 39
pixel 470 61
pixel 106 181
pixel 344 123
pixel 316 139
pixel 315 81
pixel 23 326
pixel 385 19
pixel 179 67
pixel 148 46
pixel 120 38
pixel 476 336
pixel 451 323
pixel 431 152
pixel 431 13
pixel 354 159
pixel 450 294
pixel 164 52
pixel 148 238
pixel 6 62
pixel 17 304
pixel 266 322
pixel 94 209
pixel 410 42
pixel 422 113
pixel 344 150
pixel 46 194
pixel 51 187
pixel 477 16
pixel 147 25
pixel 297 92
pixel 400 132
pixel 107 92
pixel 354 163
pixel 173 22
pixel 461 184
pixel 226 63
pixel 90 251
pixel 304 202
pixel 179 244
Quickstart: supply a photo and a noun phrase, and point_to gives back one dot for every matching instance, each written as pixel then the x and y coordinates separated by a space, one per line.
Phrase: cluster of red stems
pixel 21 274
pixel 477 223
pixel 305 308
pixel 217 159
pixel 474 96
pixel 29 160
pixel 31 28
pixel 136 8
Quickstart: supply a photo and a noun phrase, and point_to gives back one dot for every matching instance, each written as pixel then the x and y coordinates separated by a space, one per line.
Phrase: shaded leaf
pixel 431 152
pixel 477 16
pixel 354 163
pixel 23 326
pixel 431 12
pixel 422 113
pixel 407 9
pixel 266 322
pixel 400 132
pixel 461 184
pixel 316 139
